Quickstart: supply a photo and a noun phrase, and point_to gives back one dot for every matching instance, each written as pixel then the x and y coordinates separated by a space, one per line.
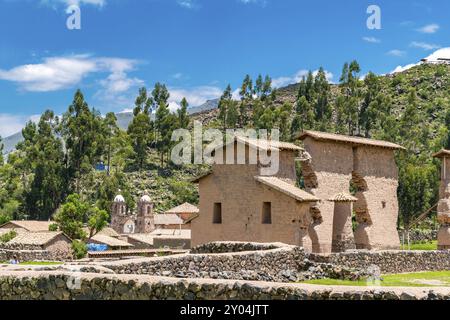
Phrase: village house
pixel 170 221
pixel 27 226
pixel 111 242
pixel 186 212
pixel 161 238
pixel 238 203
pixel 57 244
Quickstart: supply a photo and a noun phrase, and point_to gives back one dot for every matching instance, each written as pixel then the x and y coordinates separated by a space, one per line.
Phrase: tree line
pixel 58 154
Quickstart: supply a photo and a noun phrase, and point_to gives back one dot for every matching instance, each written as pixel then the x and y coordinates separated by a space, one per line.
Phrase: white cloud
pixel 11 124
pixel 195 96
pixel 99 3
pixel 396 53
pixel 188 4
pixel 296 78
pixel 430 28
pixel 403 68
pixel 52 74
pixel 260 2
pixel 443 53
pixel 56 73
pixel 424 45
pixel 371 39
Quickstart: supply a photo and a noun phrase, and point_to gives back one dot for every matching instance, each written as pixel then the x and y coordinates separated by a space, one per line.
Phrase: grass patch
pixel 428 246
pixel 419 279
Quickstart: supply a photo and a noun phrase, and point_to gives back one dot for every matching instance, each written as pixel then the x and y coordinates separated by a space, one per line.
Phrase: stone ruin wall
pixel 329 173
pixel 373 171
pixel 377 205
pixel 444 206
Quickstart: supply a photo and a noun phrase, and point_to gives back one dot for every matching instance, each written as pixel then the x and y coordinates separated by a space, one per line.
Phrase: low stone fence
pixel 27 255
pixel 233 246
pixel 389 261
pixel 64 286
pixel 418 236
pixel 277 263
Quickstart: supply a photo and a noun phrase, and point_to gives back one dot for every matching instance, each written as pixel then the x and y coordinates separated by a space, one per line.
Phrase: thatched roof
pixel 184 208
pixel 441 154
pixel 323 136
pixel 343 197
pixel 110 241
pixel 36 238
pixel 29 225
pixel 287 188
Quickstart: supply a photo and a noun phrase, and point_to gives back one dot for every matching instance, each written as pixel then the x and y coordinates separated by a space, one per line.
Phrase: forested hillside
pixel 58 155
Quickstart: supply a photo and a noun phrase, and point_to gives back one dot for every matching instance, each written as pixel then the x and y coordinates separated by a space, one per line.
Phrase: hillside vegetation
pixel 411 108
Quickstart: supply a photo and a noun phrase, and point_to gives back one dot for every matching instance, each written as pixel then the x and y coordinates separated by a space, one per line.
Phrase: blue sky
pixel 196 47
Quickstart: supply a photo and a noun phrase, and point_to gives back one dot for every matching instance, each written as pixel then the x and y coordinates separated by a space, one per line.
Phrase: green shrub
pixel 53 227
pixel 8 236
pixel 79 249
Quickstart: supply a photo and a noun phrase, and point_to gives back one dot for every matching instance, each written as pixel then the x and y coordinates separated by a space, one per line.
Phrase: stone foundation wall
pixel 26 255
pixel 278 262
pixel 270 262
pixel 60 286
pixel 389 261
pixel 227 247
pixel 417 235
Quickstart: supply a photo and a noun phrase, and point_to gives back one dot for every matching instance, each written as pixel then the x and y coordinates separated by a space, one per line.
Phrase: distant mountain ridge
pixel 123 120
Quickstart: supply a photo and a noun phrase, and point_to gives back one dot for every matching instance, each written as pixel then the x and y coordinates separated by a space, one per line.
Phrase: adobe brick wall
pixel 242 201
pixel 333 165
pixel 379 200
pixel 444 206
pixel 375 173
